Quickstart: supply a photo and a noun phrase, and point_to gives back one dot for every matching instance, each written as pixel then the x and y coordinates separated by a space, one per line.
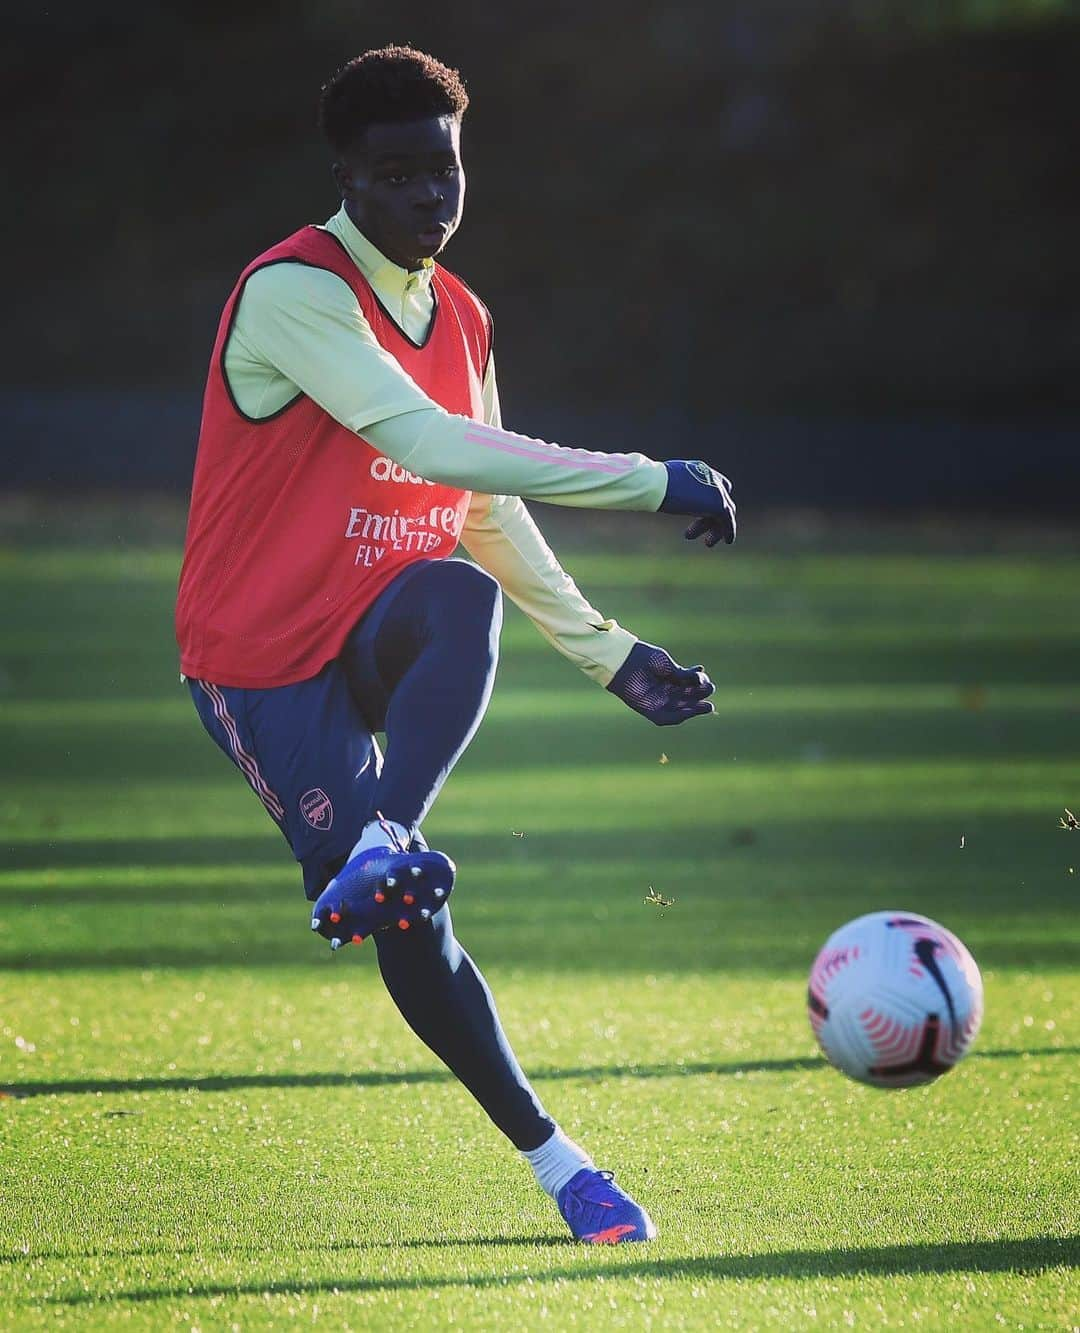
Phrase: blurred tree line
pixel 786 206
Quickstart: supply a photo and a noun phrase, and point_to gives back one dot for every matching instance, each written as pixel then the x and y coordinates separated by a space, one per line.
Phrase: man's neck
pixel 410 266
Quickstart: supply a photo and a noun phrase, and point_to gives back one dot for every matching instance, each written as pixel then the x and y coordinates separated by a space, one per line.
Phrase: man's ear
pixel 342 179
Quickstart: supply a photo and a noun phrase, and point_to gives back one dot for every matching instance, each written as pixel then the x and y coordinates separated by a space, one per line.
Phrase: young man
pixel 350 438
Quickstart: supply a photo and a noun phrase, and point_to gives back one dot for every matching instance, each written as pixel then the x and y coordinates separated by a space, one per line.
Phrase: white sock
pixel 375 835
pixel 556 1161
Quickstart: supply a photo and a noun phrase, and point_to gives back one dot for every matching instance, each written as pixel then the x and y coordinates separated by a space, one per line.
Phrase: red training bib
pixel 297 524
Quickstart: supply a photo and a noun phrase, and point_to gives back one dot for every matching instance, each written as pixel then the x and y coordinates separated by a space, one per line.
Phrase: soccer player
pixel 350 439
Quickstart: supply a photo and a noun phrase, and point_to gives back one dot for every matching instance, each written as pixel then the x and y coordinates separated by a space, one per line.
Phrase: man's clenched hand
pixel 653 685
pixel 695 488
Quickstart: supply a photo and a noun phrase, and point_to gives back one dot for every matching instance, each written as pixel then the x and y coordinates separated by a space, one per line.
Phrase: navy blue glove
pixel 695 488
pixel 653 685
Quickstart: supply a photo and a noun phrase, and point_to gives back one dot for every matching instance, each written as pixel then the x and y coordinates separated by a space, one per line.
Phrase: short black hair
pixel 394 83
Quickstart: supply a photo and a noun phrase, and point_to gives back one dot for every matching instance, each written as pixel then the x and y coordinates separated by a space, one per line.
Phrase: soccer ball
pixel 894 999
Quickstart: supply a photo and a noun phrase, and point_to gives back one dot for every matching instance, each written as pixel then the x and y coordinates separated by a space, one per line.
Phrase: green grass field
pixel 209 1122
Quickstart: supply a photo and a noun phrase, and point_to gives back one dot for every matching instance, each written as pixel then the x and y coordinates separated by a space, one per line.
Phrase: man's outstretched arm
pixel 502 537
pixel 307 324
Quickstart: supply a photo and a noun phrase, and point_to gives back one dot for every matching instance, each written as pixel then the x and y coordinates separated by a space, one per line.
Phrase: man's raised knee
pixel 465 586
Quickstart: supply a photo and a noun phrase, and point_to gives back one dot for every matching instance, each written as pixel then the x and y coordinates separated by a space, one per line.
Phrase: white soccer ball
pixel 894 999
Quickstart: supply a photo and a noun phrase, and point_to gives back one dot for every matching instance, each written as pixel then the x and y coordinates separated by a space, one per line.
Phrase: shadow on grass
pixel 387 1078
pixel 98 856
pixel 1033 1254
pixel 391 1078
pixel 175 1251
pixel 88 750
pixel 812 837
pixel 710 950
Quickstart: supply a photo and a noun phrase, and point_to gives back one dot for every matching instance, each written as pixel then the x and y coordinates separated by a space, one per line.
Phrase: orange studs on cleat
pixel 403 924
pixel 380 897
pixel 407 899
pixel 358 939
pixel 335 917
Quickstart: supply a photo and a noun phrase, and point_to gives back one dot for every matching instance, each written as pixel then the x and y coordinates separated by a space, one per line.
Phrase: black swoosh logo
pixel 924 952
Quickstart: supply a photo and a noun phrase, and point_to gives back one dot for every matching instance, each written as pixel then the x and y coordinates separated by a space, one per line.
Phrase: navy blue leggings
pixel 420 666
pixel 445 1000
pixel 435 653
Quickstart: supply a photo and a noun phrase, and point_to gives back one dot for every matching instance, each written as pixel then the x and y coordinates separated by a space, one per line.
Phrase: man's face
pixel 404 187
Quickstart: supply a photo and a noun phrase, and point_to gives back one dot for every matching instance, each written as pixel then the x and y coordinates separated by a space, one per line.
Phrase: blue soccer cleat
pixel 597 1211
pixel 379 888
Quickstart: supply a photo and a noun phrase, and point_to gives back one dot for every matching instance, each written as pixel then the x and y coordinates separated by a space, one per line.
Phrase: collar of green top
pixel 373 263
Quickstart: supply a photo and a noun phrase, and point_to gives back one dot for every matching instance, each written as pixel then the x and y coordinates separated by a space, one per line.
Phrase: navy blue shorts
pixel 308 750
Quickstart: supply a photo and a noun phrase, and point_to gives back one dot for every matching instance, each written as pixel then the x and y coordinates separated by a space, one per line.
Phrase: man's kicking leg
pixel 421 666
pixel 445 1000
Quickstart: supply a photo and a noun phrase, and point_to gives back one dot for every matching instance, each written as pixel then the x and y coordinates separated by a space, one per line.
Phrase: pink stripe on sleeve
pixel 578 459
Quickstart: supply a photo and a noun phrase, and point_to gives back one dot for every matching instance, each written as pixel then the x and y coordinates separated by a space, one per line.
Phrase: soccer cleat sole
pixel 372 896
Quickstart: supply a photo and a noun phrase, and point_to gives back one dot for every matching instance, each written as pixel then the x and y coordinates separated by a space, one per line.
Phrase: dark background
pixel 829 244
